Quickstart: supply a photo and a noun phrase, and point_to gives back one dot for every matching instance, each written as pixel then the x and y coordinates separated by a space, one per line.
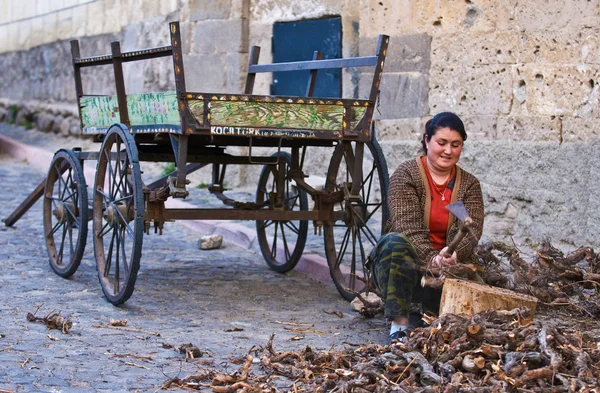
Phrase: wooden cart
pixel 193 130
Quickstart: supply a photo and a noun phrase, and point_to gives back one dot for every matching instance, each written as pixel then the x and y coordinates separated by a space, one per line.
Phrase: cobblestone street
pixel 224 302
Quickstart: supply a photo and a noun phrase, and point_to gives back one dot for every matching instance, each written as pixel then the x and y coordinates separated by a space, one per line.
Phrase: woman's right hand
pixel 441 260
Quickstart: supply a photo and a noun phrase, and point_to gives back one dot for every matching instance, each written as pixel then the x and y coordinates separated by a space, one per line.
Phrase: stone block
pixel 433 17
pixel 557 90
pixel 396 152
pixel 501 47
pixel 96 18
pixel 406 53
pixel 37 32
pixel 74 126
pixel 64 24
pixel 64 126
pixel 589 46
pixel 235 72
pixel 149 9
pixel 153 32
pixel 272 11
pixel 112 16
pixel 470 16
pixel 514 47
pixel 217 36
pixel 13 36
pixel 547 185
pixel 204 73
pixel 201 10
pixel 260 35
pixel 557 14
pixel 577 129
pixel 477 90
pixel 25 42
pixel 479 127
pixel 44 122
pixel 401 94
pixel 168 6
pixel 529 128
pixel 79 26
pixel 399 129
pixel 130 37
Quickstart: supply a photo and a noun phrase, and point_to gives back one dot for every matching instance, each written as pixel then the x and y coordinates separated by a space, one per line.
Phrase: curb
pixel 312 265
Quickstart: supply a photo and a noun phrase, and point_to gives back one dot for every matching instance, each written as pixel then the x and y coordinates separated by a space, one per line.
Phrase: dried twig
pixel 25 362
pixel 294 324
pixel 134 365
pixel 124 355
pixel 298 330
pixel 126 329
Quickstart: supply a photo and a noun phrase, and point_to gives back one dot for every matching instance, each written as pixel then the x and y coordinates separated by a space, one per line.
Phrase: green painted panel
pixel 144 109
pixel 276 115
pixel 153 108
pixel 99 111
pixel 357 114
pixel 197 109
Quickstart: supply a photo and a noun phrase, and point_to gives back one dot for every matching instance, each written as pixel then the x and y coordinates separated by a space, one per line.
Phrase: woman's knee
pixel 395 238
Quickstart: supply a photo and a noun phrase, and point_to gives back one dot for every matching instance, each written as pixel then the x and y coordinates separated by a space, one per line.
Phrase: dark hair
pixel 443 120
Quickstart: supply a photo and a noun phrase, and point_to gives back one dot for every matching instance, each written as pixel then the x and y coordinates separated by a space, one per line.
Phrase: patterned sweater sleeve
pixel 406 202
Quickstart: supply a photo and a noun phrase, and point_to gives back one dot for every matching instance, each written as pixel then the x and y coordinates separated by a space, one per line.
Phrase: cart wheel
pixel 65 213
pixel 360 222
pixel 118 215
pixel 281 242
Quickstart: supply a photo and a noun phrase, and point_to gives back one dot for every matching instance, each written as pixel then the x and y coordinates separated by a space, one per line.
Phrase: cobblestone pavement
pixel 224 301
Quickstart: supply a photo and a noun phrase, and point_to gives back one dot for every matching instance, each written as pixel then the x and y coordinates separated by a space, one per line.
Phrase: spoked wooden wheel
pixel 281 242
pixel 65 213
pixel 360 220
pixel 118 215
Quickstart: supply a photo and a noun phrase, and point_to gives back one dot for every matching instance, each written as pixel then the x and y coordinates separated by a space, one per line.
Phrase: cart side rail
pixel 146 112
pixel 250 115
pixel 218 114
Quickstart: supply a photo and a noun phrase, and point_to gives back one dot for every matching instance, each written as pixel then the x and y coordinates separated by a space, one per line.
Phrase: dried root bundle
pixel 551 276
pixel 489 352
pixel 53 320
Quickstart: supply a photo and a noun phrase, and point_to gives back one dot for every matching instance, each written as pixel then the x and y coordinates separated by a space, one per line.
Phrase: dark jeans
pixel 394 267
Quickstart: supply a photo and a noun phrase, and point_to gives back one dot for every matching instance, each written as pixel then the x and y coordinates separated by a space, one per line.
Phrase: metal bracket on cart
pixel 177 192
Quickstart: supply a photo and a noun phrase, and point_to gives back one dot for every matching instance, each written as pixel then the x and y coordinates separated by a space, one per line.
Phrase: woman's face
pixel 444 148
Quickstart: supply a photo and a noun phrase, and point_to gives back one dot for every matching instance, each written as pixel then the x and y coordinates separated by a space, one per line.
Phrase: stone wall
pixel 522 75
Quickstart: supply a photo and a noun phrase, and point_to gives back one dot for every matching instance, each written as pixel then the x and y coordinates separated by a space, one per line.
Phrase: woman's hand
pixel 441 260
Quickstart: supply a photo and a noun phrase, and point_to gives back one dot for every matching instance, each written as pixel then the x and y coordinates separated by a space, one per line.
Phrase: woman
pixel 421 226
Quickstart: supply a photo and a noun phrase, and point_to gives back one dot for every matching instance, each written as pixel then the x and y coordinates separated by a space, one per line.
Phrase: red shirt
pixel 439 215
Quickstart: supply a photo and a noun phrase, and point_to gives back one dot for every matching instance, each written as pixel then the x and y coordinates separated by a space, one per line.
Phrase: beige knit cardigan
pixel 409 200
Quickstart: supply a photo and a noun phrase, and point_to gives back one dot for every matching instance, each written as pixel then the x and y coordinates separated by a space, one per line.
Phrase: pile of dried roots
pixel 489 352
pixel 551 276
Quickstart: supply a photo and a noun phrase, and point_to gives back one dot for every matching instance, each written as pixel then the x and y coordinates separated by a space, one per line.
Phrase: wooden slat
pixel 142 54
pixel 315 64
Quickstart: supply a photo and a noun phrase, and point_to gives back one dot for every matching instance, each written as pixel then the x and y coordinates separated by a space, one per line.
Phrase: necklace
pixel 437 188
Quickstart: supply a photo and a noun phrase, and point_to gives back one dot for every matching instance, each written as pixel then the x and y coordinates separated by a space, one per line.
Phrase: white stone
pixel 211 242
